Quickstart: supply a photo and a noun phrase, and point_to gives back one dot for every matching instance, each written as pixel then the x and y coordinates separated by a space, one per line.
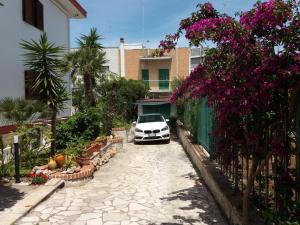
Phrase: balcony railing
pixel 158 85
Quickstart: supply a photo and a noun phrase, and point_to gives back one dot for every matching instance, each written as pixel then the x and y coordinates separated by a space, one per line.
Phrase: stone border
pixel 33 199
pixel 116 140
pixel 85 172
pixel 213 178
pixel 118 129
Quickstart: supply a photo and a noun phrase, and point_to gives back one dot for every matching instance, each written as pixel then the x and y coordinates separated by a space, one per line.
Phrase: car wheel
pixel 168 141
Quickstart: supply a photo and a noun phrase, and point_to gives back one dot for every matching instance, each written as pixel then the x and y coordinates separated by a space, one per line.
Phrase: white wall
pixel 112 56
pixel 13 31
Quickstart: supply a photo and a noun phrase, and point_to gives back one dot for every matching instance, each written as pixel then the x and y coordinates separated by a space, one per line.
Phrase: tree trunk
pixel 247 191
pixel 88 90
pixel 111 110
pixel 53 131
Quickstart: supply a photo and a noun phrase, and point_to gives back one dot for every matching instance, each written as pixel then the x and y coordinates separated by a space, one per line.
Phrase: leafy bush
pixel 83 125
pixel 120 122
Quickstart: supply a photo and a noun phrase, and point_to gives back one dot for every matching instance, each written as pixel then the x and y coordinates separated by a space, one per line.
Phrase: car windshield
pixel 150 119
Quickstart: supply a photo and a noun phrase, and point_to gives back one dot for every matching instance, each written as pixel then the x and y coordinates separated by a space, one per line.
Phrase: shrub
pixel 83 126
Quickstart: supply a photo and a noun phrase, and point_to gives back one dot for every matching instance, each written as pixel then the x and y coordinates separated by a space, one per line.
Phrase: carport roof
pixel 153 101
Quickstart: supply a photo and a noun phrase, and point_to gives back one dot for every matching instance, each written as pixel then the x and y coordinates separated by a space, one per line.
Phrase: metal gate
pixel 205 125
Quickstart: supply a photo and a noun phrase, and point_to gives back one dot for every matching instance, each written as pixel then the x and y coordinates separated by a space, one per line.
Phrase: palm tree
pixel 88 62
pixel 44 59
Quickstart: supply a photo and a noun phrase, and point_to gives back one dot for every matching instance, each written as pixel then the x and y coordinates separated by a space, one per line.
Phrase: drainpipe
pixel 122 57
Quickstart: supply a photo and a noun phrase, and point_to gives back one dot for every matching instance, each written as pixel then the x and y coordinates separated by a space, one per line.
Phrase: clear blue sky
pixel 124 18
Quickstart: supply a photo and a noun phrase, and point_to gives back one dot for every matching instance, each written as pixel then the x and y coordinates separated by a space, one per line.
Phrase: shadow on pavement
pixel 173 139
pixel 9 196
pixel 199 204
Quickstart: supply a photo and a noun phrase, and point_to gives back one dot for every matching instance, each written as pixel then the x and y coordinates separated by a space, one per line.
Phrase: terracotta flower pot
pixel 83 161
pixel 60 160
pixel 52 164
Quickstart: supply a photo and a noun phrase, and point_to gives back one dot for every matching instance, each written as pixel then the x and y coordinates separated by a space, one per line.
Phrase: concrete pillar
pixel 122 57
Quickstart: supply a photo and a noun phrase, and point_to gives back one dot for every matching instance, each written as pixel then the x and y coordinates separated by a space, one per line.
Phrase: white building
pixel 26 20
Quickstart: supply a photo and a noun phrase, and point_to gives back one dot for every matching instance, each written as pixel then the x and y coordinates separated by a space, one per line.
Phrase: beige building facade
pixel 137 62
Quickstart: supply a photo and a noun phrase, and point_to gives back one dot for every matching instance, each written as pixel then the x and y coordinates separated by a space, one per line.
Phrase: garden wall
pixel 215 181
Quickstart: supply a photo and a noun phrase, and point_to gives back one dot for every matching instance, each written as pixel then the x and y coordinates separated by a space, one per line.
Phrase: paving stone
pixel 30 219
pixel 140 186
pixel 69 213
pixel 94 222
pixel 115 217
pixel 137 207
pixel 88 216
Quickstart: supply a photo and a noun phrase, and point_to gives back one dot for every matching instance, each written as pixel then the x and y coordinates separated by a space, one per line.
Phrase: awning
pixel 152 102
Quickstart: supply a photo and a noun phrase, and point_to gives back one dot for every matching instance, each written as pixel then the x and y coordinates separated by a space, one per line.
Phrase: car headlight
pixel 165 128
pixel 138 130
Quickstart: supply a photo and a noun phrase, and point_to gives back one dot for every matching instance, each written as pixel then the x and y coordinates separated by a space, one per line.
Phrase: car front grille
pixel 156 131
pixel 147 131
pixel 154 137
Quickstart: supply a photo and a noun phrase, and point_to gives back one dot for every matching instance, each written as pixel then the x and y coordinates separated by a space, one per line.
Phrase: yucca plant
pixel 44 59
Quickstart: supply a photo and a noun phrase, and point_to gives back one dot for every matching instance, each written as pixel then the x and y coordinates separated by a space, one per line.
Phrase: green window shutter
pixel 145 76
pixel 163 75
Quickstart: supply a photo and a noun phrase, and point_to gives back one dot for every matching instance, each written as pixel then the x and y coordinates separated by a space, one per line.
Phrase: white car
pixel 151 127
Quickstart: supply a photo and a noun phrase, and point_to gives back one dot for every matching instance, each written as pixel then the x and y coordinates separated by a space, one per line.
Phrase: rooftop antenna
pixel 143 21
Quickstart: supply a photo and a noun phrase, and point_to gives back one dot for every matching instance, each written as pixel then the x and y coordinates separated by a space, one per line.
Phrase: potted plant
pixel 60 160
pixel 77 149
pixel 101 139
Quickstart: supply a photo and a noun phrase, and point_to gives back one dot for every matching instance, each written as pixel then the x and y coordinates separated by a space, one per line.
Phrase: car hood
pixel 151 126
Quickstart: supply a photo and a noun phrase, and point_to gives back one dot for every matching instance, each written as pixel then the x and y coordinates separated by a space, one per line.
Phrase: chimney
pixel 122 57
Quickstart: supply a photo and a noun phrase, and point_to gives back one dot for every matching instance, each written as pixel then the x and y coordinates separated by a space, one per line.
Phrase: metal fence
pixel 272 194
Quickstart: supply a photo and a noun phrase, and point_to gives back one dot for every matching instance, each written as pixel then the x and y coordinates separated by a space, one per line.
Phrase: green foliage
pixel 128 92
pixel 39 180
pixel 81 126
pixel 119 121
pixel 278 219
pixel 74 148
pixel 177 82
pixel 44 58
pixel 194 119
pixel 21 110
pixel 78 101
pixel 87 64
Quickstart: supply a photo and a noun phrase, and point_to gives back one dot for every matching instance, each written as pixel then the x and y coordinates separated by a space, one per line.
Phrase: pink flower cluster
pixel 267 15
pixel 215 29
pixel 246 82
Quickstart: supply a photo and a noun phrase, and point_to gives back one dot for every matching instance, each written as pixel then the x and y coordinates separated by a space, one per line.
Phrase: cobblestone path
pixel 151 184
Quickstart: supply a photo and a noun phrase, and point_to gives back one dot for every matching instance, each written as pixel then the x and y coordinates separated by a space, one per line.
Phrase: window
pixel 33 13
pixel 29 81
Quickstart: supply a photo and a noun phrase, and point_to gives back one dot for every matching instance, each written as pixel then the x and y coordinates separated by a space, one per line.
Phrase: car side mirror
pixel 167 120
pixel 134 123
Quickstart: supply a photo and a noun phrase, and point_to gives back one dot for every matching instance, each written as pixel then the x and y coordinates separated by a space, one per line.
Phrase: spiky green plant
pixel 44 58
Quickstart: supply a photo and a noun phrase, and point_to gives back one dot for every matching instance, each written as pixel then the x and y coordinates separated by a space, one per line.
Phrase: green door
pixel 145 76
pixel 163 79
pixel 163 109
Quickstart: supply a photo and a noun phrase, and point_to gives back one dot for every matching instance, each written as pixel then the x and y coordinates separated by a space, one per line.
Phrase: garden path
pixel 149 184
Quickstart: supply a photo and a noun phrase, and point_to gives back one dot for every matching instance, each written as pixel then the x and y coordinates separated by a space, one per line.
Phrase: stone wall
pixel 213 178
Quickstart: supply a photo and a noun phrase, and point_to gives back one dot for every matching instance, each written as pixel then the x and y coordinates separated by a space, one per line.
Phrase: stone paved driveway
pixel 145 185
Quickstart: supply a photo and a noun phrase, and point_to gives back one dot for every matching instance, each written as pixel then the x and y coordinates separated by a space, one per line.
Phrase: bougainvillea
pixel 250 77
